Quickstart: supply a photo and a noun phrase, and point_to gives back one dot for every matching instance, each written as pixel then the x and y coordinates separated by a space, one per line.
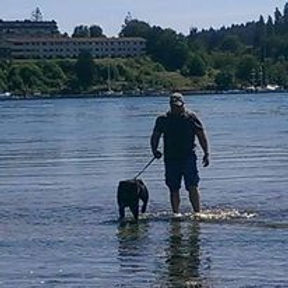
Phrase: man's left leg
pixel 194 197
pixel 191 179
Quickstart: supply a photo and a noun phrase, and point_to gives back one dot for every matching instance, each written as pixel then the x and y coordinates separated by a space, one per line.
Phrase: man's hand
pixel 157 154
pixel 205 160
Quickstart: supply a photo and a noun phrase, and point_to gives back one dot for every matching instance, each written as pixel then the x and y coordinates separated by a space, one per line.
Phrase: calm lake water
pixel 60 164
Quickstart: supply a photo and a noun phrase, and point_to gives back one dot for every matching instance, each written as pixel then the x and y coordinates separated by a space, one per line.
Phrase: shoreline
pixel 134 95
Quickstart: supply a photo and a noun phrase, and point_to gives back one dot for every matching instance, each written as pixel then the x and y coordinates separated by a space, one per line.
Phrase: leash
pixel 146 166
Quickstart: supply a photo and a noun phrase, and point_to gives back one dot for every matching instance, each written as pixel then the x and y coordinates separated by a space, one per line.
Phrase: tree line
pixel 85 75
pixel 255 53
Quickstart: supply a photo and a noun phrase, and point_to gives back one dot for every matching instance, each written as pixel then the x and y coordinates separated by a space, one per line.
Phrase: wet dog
pixel 128 195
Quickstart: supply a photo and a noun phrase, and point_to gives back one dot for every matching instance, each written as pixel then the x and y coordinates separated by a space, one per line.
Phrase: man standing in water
pixel 179 127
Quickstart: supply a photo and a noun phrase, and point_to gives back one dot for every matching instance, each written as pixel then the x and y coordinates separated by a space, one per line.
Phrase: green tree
pixel 285 14
pixel 231 43
pixel 260 32
pixel 245 69
pixel 223 61
pixel 81 31
pixel 224 80
pixel 168 48
pixel 54 76
pixel 36 15
pixel 192 33
pixel 135 28
pixel 85 70
pixel 163 45
pixel 3 81
pixel 26 78
pixel 195 66
pixel 32 77
pixel 277 74
pixel 270 26
pixel 96 31
pixel 67 66
pixel 15 82
pixel 278 18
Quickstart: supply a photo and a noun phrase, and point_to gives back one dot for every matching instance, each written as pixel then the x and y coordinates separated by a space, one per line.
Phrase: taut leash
pixel 146 166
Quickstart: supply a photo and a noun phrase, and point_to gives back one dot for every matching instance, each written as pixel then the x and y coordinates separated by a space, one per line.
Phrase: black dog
pixel 128 195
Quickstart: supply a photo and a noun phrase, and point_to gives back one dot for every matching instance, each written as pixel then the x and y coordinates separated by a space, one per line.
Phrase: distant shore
pixel 131 94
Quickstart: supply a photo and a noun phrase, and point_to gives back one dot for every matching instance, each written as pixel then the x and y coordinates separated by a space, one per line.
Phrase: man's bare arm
pixel 154 143
pixel 204 145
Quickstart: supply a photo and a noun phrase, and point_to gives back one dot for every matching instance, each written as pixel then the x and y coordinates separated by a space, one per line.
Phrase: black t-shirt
pixel 179 133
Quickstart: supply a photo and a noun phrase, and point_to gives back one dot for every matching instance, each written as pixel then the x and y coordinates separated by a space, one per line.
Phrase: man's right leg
pixel 173 181
pixel 175 200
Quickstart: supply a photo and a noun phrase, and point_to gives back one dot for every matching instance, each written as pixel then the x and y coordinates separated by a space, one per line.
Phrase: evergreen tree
pixel 85 70
pixel 260 32
pixel 36 15
pixel 278 17
pixel 260 38
pixel 285 14
pixel 270 26
pixel 128 19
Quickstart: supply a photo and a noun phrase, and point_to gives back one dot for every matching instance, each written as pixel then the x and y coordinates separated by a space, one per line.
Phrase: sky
pixel 179 15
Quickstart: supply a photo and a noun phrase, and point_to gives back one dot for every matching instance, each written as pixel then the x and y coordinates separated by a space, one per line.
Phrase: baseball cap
pixel 177 99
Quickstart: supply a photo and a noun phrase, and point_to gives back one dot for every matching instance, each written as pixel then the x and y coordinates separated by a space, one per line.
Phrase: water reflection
pixel 131 246
pixel 179 264
pixel 183 255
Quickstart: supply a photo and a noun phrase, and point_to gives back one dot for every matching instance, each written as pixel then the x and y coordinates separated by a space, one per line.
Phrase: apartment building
pixel 67 47
pixel 41 40
pixel 28 28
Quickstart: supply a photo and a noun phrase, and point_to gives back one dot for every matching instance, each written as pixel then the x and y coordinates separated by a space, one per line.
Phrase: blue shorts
pixel 186 168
